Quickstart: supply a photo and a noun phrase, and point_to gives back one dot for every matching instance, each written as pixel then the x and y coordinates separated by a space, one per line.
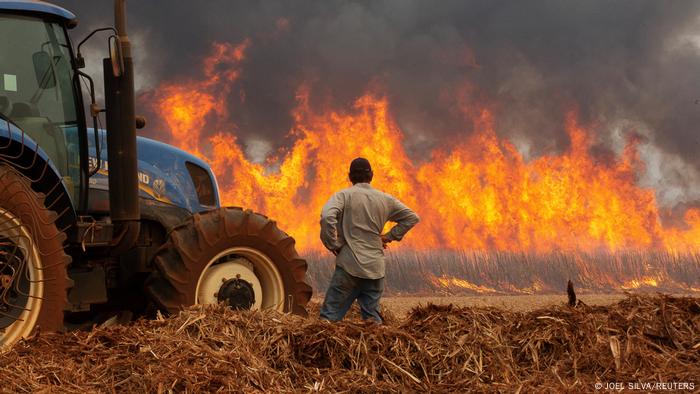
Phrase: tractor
pixel 98 223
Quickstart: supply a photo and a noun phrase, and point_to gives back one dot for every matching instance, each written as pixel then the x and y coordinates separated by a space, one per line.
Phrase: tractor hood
pixel 166 174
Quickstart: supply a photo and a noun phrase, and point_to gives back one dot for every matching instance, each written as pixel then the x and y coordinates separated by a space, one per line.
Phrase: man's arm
pixel 405 219
pixel 329 223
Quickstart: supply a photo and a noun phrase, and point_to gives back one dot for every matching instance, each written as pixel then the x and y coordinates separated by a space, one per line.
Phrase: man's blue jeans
pixel 344 289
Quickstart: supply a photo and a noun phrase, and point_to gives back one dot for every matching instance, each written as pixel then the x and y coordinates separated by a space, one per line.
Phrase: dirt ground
pixel 400 305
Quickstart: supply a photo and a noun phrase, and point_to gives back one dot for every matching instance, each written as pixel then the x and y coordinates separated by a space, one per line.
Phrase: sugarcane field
pixel 349 196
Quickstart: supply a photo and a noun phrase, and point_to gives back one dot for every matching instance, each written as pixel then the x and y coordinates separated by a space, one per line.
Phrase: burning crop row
pixel 476 193
pixel 453 272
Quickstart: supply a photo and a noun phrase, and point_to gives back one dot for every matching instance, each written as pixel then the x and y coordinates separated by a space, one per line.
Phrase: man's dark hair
pixel 360 171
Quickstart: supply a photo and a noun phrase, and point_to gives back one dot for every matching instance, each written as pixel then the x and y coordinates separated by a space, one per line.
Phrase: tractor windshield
pixel 36 89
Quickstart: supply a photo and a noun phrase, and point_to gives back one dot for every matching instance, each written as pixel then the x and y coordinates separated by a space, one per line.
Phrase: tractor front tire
pixel 33 264
pixel 229 255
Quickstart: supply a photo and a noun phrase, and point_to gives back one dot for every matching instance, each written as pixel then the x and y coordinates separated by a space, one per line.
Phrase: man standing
pixel 351 227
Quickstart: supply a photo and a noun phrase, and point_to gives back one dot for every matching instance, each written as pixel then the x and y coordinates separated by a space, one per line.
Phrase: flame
pixel 478 193
pixel 459 283
pixel 643 281
pixel 536 287
pixel 184 107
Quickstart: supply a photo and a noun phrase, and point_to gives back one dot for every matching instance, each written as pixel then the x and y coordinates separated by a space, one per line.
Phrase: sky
pixel 627 67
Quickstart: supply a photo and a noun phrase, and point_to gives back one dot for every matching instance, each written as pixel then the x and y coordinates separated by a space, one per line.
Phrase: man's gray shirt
pixel 352 222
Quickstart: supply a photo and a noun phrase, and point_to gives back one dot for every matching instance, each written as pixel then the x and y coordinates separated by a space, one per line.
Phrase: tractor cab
pixel 37 94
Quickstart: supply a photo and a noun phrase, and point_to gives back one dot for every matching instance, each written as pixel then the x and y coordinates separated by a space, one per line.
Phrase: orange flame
pixel 185 107
pixel 459 283
pixel 638 283
pixel 478 194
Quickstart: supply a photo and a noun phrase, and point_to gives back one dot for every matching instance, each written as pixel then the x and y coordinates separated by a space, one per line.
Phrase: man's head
pixel 360 171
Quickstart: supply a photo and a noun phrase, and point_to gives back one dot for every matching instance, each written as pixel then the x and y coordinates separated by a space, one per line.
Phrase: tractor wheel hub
pixel 232 281
pixel 5 281
pixel 237 293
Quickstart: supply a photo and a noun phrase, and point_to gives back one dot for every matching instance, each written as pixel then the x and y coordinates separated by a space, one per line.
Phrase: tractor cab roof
pixel 40 7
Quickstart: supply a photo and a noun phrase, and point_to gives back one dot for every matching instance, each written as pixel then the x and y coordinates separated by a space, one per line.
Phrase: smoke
pixel 635 62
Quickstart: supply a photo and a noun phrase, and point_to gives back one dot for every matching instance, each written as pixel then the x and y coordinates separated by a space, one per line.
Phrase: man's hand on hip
pixel 385 240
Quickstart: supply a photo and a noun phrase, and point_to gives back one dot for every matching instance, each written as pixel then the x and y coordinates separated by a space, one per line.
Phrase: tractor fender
pixel 167 215
pixel 20 151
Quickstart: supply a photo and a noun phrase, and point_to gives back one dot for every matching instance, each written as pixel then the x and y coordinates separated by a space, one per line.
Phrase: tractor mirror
pixel 115 56
pixel 43 70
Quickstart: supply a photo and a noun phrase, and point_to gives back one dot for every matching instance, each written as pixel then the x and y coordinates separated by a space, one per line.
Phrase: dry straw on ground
pixel 438 349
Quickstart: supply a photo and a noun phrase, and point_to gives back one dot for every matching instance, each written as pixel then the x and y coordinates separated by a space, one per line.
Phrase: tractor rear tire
pixel 246 250
pixel 33 264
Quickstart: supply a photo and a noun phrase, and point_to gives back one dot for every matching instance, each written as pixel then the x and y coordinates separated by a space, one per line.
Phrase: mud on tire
pixel 192 245
pixel 31 246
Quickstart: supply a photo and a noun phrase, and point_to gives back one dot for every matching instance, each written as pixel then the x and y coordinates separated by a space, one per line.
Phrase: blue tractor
pixel 99 223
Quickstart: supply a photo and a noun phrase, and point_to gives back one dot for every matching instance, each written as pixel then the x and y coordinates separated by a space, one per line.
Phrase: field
pixel 431 273
pixel 649 340
pixel 455 322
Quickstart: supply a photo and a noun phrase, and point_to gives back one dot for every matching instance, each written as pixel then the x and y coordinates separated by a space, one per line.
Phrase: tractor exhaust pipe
pixel 121 137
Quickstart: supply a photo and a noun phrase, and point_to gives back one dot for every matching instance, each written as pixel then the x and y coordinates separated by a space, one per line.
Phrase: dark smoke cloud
pixel 637 61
